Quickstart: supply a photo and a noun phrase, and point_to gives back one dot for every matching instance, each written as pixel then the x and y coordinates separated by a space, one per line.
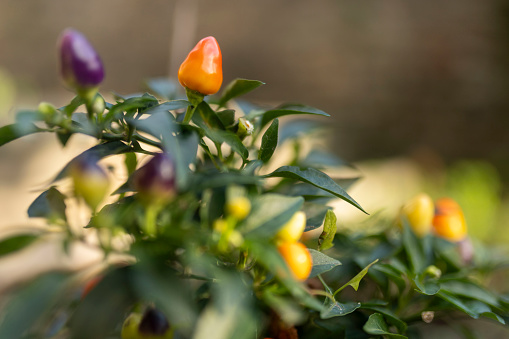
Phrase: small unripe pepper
pixel 80 65
pixel 202 70
pixel 419 212
pixel 449 222
pixel 293 229
pixel 238 207
pixel 297 258
pixel 155 181
pixel 90 181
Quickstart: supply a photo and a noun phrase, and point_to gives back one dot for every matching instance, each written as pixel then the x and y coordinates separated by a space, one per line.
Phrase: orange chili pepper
pixel 449 222
pixel 202 71
pixel 298 259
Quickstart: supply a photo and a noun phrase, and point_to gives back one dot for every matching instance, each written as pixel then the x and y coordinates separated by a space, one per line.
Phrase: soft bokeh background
pixel 417 90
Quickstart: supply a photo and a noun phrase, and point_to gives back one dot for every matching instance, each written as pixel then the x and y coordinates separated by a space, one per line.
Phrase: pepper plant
pixel 215 230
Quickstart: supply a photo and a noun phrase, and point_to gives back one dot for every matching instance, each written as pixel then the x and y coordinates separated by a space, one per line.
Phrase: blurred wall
pixel 397 76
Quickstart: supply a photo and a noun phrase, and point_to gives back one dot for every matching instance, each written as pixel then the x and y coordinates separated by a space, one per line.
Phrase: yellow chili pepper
pixel 202 71
pixel 419 211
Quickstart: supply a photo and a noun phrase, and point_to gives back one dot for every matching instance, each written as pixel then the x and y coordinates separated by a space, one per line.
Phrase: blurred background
pixel 417 90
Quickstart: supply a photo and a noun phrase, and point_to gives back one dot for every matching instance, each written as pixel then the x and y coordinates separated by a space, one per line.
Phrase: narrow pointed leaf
pixel 237 88
pixel 326 239
pixel 269 142
pixel 321 263
pixel 315 178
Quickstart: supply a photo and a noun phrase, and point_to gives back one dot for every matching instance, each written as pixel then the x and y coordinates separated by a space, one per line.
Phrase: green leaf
pixel 131 104
pixel 206 118
pixel 315 214
pixel 297 128
pixel 376 325
pixel 237 88
pixel 12 132
pixel 354 282
pixel 50 204
pixel 315 178
pixel 16 243
pixel 99 151
pixel 337 309
pixel 413 249
pixel 202 181
pixel 227 117
pixel 428 287
pixel 269 142
pixel 30 306
pixel 288 109
pixel 470 290
pixel 269 213
pixel 449 297
pixel 389 315
pixel 393 274
pixel 326 239
pixel 321 263
pixel 229 138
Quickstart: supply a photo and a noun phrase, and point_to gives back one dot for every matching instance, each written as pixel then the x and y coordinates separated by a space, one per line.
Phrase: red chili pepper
pixel 202 71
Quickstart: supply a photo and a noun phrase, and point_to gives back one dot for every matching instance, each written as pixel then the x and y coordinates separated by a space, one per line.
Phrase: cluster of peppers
pixel 200 74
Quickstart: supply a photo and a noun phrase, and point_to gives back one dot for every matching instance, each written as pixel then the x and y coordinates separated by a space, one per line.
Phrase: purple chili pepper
pixel 80 65
pixel 155 181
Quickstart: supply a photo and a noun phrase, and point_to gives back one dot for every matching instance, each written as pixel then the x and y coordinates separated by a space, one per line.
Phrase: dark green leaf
pixel 227 117
pixel 326 239
pixel 12 132
pixel 269 142
pixel 321 263
pixel 237 88
pixel 131 104
pixel 270 212
pixel 315 178
pixel 289 109
pixel 98 152
pixel 376 325
pixel 229 138
pixel 428 287
pixel 50 204
pixel 252 166
pixel 470 290
pixel 337 309
pixel 393 274
pixel 206 118
pixel 449 297
pixel 206 180
pixel 315 214
pixel 413 249
pixel 16 243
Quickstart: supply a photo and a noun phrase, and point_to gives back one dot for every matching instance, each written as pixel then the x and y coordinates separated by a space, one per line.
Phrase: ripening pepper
pixel 449 222
pixel 155 181
pixel 151 325
pixel 90 181
pixel 80 65
pixel 419 212
pixel 293 229
pixel 202 70
pixel 297 258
